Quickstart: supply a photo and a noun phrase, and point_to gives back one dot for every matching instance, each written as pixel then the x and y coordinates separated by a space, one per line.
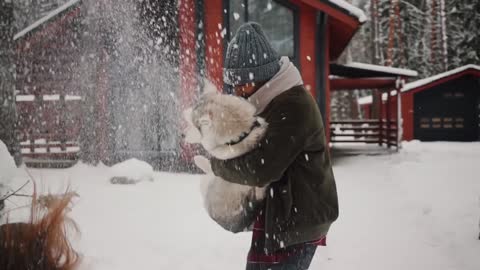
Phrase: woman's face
pixel 247 90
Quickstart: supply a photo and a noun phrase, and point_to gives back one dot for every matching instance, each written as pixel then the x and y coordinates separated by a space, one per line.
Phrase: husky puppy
pixel 226 126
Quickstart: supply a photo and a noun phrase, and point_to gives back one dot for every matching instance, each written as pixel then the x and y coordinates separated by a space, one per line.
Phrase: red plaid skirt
pixel 258 254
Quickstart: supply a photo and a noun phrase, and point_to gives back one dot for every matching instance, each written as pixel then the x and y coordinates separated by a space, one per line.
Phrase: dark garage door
pixel 478 111
pixel 446 114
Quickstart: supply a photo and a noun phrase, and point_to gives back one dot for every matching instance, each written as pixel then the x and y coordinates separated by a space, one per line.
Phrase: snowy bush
pixel 131 171
pixel 7 169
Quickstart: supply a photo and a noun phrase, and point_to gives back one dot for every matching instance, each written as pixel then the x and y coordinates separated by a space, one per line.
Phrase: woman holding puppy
pixel 292 159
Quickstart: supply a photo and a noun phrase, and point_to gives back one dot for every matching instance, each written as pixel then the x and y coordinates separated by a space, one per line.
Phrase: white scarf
pixel 287 77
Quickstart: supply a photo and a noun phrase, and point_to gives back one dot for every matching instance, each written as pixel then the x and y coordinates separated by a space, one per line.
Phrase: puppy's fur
pixel 226 126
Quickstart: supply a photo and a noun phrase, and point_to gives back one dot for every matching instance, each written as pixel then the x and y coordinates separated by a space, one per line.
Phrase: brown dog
pixel 41 243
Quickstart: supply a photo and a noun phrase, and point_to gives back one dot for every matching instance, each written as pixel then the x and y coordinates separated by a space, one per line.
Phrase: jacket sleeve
pixel 284 140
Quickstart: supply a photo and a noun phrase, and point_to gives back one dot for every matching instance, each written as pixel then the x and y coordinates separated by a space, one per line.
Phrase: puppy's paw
pixel 203 164
pixel 191 133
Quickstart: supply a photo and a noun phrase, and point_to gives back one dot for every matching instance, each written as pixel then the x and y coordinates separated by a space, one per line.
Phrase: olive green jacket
pixel 293 161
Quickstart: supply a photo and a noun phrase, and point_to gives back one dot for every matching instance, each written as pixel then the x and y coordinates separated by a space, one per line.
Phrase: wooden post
pixel 102 96
pixel 399 87
pixel 32 140
pixel 380 117
pixel 47 141
pixel 62 120
pixel 188 60
pixel 388 122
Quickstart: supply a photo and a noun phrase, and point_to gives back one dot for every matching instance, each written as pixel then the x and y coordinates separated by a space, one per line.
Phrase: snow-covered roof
pixel 353 10
pixel 422 82
pixel 46 18
pixel 369 99
pixel 391 70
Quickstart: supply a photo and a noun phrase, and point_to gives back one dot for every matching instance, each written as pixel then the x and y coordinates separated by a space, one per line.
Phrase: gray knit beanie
pixel 250 57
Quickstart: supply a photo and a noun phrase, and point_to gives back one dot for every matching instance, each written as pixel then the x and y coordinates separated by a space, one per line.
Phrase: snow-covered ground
pixel 418 209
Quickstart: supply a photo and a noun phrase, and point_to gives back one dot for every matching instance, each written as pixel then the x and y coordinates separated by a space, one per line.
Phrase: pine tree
pixel 404 33
pixel 463 26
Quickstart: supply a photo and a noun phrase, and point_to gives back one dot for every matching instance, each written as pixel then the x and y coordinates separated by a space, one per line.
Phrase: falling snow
pixel 236 16
pixel 401 181
pixel 269 6
pixel 129 47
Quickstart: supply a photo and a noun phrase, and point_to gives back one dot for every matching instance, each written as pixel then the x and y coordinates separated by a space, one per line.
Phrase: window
pixel 439 122
pixel 459 122
pixel 456 94
pixel 276 18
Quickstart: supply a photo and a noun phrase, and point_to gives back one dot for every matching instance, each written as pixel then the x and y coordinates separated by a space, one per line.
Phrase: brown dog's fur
pixel 41 243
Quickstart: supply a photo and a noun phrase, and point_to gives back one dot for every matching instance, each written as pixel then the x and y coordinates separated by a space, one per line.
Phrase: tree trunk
pixel 375 32
pixel 443 32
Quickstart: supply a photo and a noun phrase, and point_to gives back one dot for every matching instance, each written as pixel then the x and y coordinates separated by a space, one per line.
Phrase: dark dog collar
pixel 244 135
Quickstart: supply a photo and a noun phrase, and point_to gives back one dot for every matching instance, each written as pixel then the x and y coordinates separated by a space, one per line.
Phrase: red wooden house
pixel 384 128
pixel 48 104
pixel 313 33
pixel 77 97
pixel 444 107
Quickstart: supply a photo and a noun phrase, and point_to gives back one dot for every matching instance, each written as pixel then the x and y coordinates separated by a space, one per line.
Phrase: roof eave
pixel 47 18
pixel 445 76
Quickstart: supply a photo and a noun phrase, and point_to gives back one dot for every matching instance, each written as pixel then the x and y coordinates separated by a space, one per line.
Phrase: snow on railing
pixel 21 98
pixel 26 98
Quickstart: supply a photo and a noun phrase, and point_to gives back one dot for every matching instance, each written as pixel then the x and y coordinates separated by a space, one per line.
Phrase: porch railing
pixel 48 150
pixel 372 131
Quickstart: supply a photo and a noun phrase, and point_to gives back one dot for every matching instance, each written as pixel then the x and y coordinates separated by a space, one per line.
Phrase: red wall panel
pixel 307 50
pixel 407 113
pixel 213 11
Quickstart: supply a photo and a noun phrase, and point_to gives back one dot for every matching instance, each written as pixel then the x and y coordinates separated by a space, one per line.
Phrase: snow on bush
pixel 131 171
pixel 7 169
